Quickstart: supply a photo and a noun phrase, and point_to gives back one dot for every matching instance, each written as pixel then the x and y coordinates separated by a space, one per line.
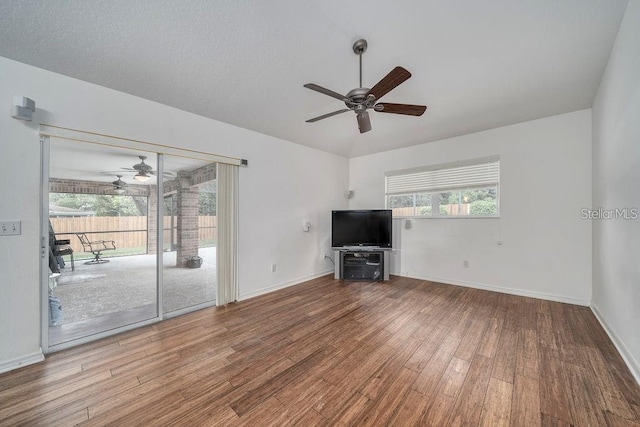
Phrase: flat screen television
pixel 361 228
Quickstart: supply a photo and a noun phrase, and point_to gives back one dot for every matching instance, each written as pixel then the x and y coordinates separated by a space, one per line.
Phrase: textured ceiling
pixel 475 64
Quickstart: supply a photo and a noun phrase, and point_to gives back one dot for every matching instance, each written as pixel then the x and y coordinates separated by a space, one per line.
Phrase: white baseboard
pixel 263 291
pixel 628 358
pixel 19 362
pixel 503 290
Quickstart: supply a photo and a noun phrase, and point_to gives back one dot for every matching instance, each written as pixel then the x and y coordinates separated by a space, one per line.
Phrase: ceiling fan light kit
pixel 143 173
pixel 361 99
pixel 142 177
pixel 144 170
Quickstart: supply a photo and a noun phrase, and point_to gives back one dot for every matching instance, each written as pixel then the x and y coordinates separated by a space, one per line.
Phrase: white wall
pixel 545 182
pixel 616 184
pixel 284 184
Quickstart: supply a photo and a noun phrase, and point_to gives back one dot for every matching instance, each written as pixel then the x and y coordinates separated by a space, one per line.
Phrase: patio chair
pixel 60 248
pixel 63 247
pixel 96 247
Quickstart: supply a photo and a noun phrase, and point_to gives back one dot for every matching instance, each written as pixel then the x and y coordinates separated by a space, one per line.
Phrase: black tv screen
pixel 361 228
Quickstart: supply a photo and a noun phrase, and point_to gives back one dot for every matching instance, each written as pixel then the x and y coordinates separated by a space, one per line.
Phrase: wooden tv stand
pixel 367 264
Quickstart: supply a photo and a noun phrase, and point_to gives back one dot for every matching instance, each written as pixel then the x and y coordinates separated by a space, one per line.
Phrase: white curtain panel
pixel 227 260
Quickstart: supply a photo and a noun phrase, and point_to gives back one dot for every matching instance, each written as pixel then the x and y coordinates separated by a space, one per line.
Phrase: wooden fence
pixel 126 231
pixel 462 209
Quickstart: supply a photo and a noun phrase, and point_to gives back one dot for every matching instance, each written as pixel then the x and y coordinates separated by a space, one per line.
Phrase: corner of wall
pixel 627 356
pixel 22 361
pixel 263 291
pixel 615 173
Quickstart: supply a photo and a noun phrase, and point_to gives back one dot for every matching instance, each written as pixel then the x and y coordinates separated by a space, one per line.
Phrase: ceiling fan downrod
pixel 360 47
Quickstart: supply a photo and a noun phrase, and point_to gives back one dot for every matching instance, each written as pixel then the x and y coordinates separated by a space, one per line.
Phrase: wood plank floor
pixel 406 352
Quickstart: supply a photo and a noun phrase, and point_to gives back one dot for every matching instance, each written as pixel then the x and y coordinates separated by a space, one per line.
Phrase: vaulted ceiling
pixel 475 64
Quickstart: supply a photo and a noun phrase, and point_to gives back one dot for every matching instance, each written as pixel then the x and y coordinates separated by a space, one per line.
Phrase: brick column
pixel 187 218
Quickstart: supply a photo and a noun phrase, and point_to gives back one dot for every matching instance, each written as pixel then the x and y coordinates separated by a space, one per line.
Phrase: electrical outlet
pixel 465 263
pixel 273 268
pixel 10 228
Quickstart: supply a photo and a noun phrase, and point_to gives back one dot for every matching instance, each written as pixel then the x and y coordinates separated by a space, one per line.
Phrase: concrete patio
pixel 97 297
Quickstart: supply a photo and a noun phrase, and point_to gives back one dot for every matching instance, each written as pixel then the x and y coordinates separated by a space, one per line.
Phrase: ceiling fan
pixel 361 99
pixel 144 171
pixel 118 185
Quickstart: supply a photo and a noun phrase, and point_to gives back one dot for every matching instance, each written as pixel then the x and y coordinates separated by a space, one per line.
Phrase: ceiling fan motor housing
pixel 142 166
pixel 357 96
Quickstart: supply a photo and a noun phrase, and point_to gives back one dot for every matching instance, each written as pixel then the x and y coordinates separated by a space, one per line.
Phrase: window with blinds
pixel 469 188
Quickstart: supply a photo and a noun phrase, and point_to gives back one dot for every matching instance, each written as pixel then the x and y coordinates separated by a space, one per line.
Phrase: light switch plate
pixel 10 228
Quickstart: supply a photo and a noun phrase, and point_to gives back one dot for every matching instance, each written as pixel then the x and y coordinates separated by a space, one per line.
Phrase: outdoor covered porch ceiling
pixel 100 163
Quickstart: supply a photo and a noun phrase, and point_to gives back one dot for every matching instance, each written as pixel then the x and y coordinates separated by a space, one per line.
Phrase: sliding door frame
pixel 51 131
pixel 45 146
pixel 44 243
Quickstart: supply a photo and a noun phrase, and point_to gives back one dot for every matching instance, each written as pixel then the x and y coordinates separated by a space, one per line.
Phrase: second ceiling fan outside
pixel 361 99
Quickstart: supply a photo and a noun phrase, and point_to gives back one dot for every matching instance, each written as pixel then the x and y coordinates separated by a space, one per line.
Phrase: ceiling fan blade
pixel 397 76
pixel 364 122
pixel 325 91
pixel 315 119
pixel 409 110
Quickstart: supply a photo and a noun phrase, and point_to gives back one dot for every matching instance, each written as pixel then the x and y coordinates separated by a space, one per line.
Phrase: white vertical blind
pixel 227 251
pixel 479 173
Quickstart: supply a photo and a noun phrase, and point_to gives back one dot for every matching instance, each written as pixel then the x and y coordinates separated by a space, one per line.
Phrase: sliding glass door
pixel 102 245
pixel 189 234
pixel 132 238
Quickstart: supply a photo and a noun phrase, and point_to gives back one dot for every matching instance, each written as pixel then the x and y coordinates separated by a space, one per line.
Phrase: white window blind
pixel 478 173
